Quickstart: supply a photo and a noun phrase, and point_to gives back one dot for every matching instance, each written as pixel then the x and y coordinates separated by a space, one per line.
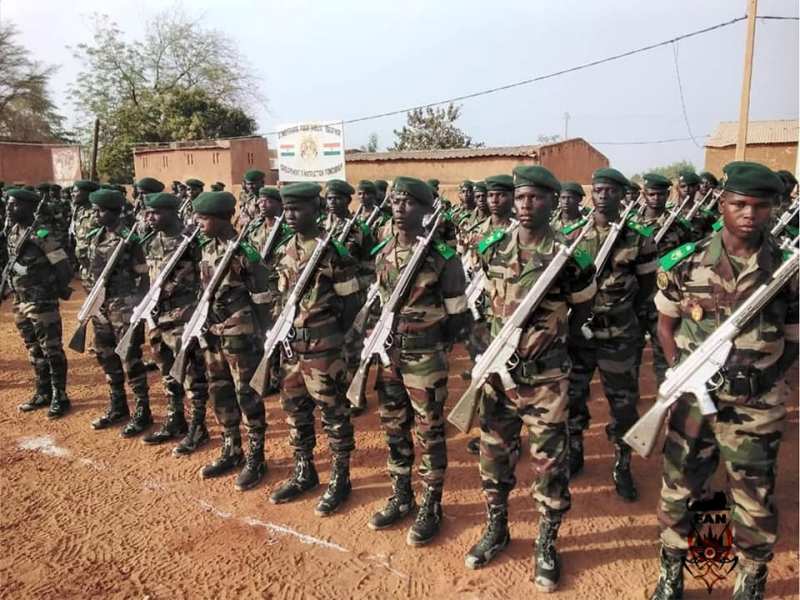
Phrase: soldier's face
pixel 467 197
pixel 194 192
pixel 534 205
pixel 606 197
pixel 687 190
pixel 106 217
pixel 252 187
pixel 745 216
pixel 160 218
pixel 19 211
pixel 480 201
pixel 366 198
pixel 301 216
pixel 269 207
pixel 568 202
pixel 500 202
pixel 337 204
pixel 656 199
pixel 79 196
pixel 212 225
pixel 705 185
pixel 408 212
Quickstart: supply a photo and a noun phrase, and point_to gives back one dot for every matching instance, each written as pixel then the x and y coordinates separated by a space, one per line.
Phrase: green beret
pixel 609 175
pixel 23 194
pixel 434 183
pixel 217 187
pixel 633 186
pixel 467 185
pixel 269 191
pixel 365 185
pixel 574 187
pixel 301 191
pixel 53 186
pixel 43 187
pixel 751 179
pixel 789 180
pixel 161 200
pixel 480 186
pixel 108 186
pixel 149 185
pixel 689 178
pixel 502 183
pixel 85 184
pixel 654 181
pixel 381 185
pixel 709 177
pixel 217 204
pixel 30 188
pixel 120 188
pixel 254 175
pixel 340 187
pixel 535 175
pixel 416 188
pixel 195 183
pixel 110 199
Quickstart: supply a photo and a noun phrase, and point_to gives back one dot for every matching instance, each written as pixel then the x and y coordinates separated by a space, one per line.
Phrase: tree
pixel 432 129
pixel 181 82
pixel 669 171
pixel 372 143
pixel 26 111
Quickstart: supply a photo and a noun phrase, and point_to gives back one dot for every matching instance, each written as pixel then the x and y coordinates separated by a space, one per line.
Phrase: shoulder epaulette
pixel 672 258
pixel 685 223
pixel 444 250
pixel 582 258
pixel 718 224
pixel 340 248
pixel 94 232
pixel 490 240
pixel 202 240
pixel 249 251
pixel 362 225
pixel 42 233
pixel 642 230
pixel 567 229
pixel 792 231
pixel 379 246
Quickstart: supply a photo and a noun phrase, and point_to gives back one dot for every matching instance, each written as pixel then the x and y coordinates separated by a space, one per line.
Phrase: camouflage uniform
pixel 702 291
pixel 259 231
pixel 248 209
pixel 82 223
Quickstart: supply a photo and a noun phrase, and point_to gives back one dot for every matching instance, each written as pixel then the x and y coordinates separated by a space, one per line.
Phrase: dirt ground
pixel 88 514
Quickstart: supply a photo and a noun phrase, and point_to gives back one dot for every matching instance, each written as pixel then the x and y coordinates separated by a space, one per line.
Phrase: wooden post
pixel 747 77
pixel 93 173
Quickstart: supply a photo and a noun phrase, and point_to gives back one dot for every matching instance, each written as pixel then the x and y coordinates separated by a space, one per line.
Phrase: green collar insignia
pixel 490 240
pixel 642 230
pixel 340 248
pixel 379 246
pixel 670 259
pixel 718 224
pixel 567 229
pixel 444 250
pixel 582 258
pixel 250 252
pixel 42 233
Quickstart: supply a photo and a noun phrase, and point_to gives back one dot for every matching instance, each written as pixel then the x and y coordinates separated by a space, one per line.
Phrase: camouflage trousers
pixel 231 361
pixel 747 438
pixel 413 390
pixel 542 409
pixel 109 327
pixel 616 360
pixel 39 324
pixel 164 342
pixel 479 339
pixel 649 325
pixel 317 380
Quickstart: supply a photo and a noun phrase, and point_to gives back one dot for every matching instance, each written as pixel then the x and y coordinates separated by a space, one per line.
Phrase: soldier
pixel 315 373
pixel 511 262
pixel 699 288
pixel 194 187
pixel 707 182
pixel 569 206
pixel 338 195
pixel 126 285
pixel 380 188
pixel 233 342
pixel 466 208
pixel 146 185
pixel 481 207
pixel 413 389
pixel 81 223
pixel 175 304
pixel 623 286
pixel 367 195
pixel 253 181
pixel 218 187
pixel 688 185
pixel 39 277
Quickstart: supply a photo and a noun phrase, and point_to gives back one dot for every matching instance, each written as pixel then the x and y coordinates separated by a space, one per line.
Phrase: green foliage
pixel 432 129
pixel 669 171
pixel 372 143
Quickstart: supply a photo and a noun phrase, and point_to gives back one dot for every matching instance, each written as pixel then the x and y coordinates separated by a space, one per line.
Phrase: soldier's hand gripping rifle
pixel 97 296
pixel 272 238
pixel 348 227
pixel 673 215
pixel 359 326
pixel 381 337
pixel 14 255
pixel 786 217
pixel 377 210
pixel 697 206
pixel 693 375
pixel 184 205
pixel 146 308
pixel 195 328
pixel 282 330
pixel 500 356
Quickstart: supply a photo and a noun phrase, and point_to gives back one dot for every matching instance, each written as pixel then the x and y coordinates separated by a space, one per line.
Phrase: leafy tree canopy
pixel 432 129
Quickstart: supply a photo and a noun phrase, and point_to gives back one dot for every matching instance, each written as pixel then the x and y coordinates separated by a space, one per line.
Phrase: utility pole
pixel 747 77
pixel 566 124
pixel 93 173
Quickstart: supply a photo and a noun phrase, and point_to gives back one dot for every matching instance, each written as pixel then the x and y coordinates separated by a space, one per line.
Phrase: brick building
pixel 772 143
pixel 33 163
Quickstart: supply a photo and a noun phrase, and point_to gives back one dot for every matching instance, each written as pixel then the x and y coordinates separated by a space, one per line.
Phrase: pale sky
pixel 322 60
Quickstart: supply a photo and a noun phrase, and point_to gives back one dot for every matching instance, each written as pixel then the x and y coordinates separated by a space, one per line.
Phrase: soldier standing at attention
pixel 248 197
pixel 698 290
pixel 217 186
pixel 175 305
pixel 413 389
pixel 194 187
pixel 513 262
pixel 632 192
pixel 81 223
pixel 126 285
pixel 569 207
pixel 233 342
pixel 623 285
pixel 39 277
pixel 367 196
pixel 466 208
pixel 707 182
pixel 338 195
pixel 146 185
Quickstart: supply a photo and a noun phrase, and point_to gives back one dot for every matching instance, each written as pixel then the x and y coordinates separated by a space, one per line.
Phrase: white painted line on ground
pixel 44 444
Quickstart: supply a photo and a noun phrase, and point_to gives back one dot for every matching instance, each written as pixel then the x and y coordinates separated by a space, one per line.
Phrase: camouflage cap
pixel 217 204
pixel 109 199
pixel 304 191
pixel 689 178
pixel 270 191
pixel 654 181
pixel 195 183
pixel 161 200
pixel 365 185
pixel 535 175
pixel 340 187
pixel 23 194
pixel 751 179
pixel 574 187
pixel 502 183
pixel 709 177
pixel 86 185
pixel 415 188
pixel 254 175
pixel 609 175
pixel 149 185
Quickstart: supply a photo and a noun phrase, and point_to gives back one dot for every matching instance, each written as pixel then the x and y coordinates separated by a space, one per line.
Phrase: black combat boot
pixel 429 519
pixel 59 404
pixel 230 456
pixel 750 582
pixel 339 488
pixel 141 419
pixel 117 409
pixel 623 480
pixel 400 504
pixel 575 454
pixel 303 478
pixel 197 435
pixel 495 537
pixel 254 467
pixel 174 425
pixel 43 395
pixel 546 565
pixel 670 578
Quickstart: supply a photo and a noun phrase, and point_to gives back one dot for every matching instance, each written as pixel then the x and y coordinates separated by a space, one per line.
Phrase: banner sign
pixel 311 151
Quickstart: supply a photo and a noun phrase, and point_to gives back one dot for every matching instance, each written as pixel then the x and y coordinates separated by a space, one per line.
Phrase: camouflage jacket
pixel 259 231
pixel 473 240
pixel 180 291
pixel 42 271
pixel 511 270
pixel 317 320
pixel 701 285
pixel 128 279
pixel 359 244
pixel 436 293
pixel 82 223
pixel 241 302
pixel 248 209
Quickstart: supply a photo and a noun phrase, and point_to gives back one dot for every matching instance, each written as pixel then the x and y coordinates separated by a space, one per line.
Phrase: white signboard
pixel 66 164
pixel 311 151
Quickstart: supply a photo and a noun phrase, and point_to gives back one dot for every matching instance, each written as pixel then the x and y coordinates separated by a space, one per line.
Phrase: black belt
pixel 224 308
pixel 534 368
pixel 176 302
pixel 308 334
pixel 608 320
pixel 748 381
pixel 424 340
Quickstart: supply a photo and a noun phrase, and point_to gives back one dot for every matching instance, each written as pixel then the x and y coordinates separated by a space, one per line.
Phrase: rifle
pixel 184 204
pixel 690 215
pixel 500 357
pixel 272 238
pixel 14 256
pixel 376 211
pixel 91 306
pixel 381 337
pixel 692 375
pixel 477 283
pixel 146 308
pixel 282 331
pixel 196 326
pixel 360 322
pixel 674 214
pixel 786 218
pixel 348 227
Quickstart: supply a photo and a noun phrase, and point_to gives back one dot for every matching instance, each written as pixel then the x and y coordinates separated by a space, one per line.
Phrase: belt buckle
pixel 740 383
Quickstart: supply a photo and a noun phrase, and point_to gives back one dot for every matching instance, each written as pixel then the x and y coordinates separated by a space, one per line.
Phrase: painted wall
pixel 775 156
pixel 34 164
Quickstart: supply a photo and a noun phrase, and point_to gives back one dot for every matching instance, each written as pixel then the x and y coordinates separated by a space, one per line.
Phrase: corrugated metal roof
pixel 513 151
pixel 758 132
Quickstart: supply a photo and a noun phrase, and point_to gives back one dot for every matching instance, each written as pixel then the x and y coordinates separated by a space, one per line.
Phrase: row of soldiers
pixel 714 248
